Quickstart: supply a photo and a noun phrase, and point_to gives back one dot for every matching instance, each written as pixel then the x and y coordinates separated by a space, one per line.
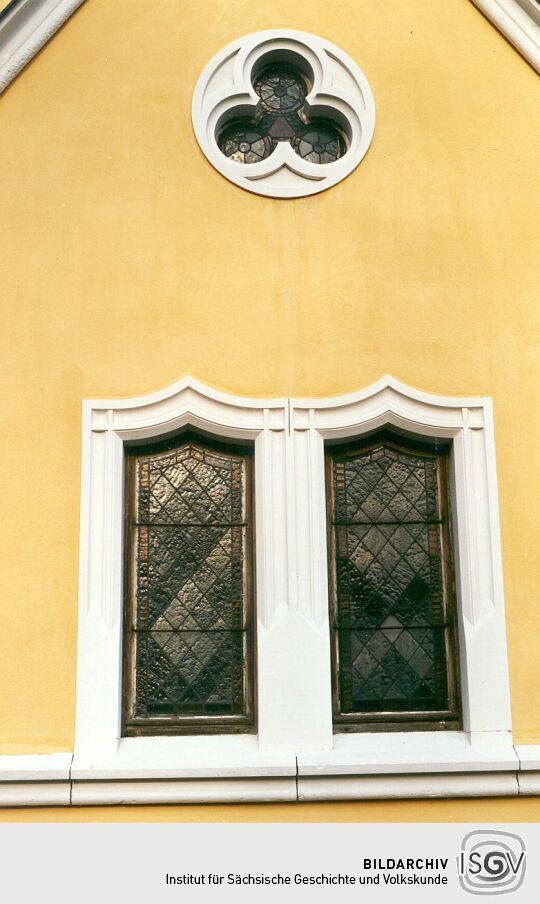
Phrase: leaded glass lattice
pixel 189 615
pixel 391 583
pixel 281 115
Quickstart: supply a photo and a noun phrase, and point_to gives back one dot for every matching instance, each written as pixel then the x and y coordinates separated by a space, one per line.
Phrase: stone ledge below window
pixel 484 767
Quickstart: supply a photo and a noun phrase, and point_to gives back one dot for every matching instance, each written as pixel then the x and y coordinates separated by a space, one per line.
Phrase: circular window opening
pixel 283 113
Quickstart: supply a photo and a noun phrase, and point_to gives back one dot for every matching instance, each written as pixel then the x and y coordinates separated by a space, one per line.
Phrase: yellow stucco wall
pixel 129 262
pixel 475 811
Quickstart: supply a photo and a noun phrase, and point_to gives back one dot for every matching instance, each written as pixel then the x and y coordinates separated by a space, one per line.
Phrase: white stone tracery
pixel 339 86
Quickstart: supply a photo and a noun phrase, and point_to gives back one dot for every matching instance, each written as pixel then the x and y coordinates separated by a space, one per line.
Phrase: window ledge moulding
pixel 210 769
pixel 408 765
pixel 450 764
pixel 25 27
pixel 338 90
pixel 40 780
pixel 48 780
pixel 519 22
pixel 529 768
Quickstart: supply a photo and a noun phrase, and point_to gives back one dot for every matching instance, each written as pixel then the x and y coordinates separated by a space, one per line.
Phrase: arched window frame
pixel 468 423
pixel 348 625
pixel 140 589
pixel 295 754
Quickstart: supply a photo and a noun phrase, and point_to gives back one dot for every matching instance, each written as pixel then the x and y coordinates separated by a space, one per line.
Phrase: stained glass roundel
pixel 281 89
pixel 281 116
pixel 244 143
pixel 320 142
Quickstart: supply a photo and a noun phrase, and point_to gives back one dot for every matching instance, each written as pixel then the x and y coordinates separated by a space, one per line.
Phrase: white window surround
pixel 340 89
pixel 295 755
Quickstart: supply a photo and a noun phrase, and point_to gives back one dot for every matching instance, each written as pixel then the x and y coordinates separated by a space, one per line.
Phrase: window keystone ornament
pixel 283 113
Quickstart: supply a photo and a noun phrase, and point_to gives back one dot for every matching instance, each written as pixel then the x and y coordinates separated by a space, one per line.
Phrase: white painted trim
pixel 40 780
pixel 469 423
pixel 50 767
pixel 183 758
pixel 519 22
pixel 217 791
pixel 499 784
pixel 395 753
pixel 295 740
pixel 532 8
pixel 35 794
pixel 107 425
pixel 339 87
pixel 529 768
pixel 46 780
pixel 25 29
pixel 529 757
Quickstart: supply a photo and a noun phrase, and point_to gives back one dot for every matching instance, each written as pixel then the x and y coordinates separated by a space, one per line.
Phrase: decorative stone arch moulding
pixel 339 90
pixel 468 423
pixel 295 754
pixel 107 426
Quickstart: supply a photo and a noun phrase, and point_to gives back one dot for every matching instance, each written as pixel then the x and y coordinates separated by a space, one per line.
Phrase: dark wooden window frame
pixel 186 724
pixel 451 718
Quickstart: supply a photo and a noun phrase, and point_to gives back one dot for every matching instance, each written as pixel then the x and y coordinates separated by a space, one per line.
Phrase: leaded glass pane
pixel 391 587
pixel 189 624
pixel 281 115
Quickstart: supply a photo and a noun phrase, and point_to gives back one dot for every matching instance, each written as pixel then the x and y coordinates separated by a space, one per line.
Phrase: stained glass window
pixel 281 115
pixel 394 635
pixel 188 623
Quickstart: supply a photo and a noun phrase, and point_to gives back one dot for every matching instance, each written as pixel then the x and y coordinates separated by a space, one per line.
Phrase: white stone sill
pixel 529 756
pixel 40 780
pixel 49 767
pixel 529 768
pixel 239 756
pixel 412 752
pixel 194 770
pixel 195 757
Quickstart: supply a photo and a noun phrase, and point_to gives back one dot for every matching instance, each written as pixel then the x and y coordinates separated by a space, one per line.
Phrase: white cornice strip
pixel 24 28
pixel 50 780
pixel 39 780
pixel 516 21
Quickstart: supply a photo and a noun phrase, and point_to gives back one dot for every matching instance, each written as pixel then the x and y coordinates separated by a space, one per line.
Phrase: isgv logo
pixel 491 863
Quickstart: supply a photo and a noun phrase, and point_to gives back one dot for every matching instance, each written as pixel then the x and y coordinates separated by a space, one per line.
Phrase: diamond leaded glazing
pixel 189 618
pixel 280 115
pixel 391 619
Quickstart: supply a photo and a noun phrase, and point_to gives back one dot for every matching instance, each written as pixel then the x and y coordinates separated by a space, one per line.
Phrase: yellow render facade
pixel 128 262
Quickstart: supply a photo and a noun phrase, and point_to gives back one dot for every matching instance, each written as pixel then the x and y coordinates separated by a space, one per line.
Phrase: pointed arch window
pixel 425 437
pixel 392 594
pixel 188 627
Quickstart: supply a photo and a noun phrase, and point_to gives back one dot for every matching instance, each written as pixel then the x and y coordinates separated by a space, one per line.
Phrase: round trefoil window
pixel 283 113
